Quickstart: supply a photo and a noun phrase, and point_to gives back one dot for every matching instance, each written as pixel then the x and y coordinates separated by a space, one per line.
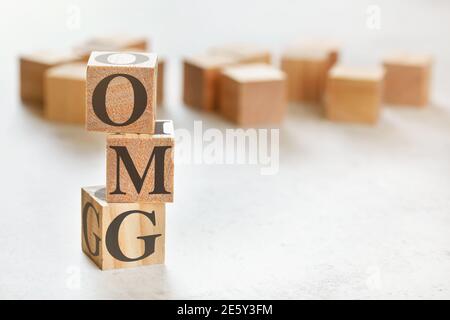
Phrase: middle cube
pixel 139 167
pixel 121 92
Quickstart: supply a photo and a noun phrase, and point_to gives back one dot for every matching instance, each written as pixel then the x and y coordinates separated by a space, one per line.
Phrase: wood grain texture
pixel 97 218
pixel 201 75
pixel 354 95
pixel 156 184
pixel 120 95
pixel 253 94
pixel 160 75
pixel 160 83
pixel 407 80
pixel 65 93
pixel 32 71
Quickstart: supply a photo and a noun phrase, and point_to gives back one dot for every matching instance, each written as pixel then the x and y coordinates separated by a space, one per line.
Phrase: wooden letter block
pixel 407 80
pixel 112 43
pixel 121 92
pixel 139 167
pixel 65 93
pixel 160 83
pixel 121 235
pixel 306 73
pixel 201 80
pixel 243 53
pixel 354 95
pixel 32 72
pixel 253 94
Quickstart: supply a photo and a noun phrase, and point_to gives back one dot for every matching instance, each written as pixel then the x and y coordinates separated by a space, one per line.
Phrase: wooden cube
pixel 160 83
pixel 121 92
pixel 32 72
pixel 354 95
pixel 121 235
pixel 201 79
pixel 112 43
pixel 160 76
pixel 306 72
pixel 243 53
pixel 253 94
pixel 65 93
pixel 139 167
pixel 328 47
pixel 407 80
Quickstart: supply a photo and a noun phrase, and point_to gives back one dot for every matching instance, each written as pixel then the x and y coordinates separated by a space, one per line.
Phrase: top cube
pixel 121 92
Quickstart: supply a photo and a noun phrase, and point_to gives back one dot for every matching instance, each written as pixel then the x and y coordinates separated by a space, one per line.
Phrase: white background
pixel 354 212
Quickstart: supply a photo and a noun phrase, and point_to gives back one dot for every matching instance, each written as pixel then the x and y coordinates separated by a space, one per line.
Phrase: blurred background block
pixel 201 79
pixel 306 74
pixel 32 71
pixel 253 94
pixel 408 78
pixel 112 43
pixel 65 93
pixel 330 47
pixel 244 53
pixel 354 94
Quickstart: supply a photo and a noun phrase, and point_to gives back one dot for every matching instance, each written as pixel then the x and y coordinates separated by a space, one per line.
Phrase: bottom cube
pixel 121 235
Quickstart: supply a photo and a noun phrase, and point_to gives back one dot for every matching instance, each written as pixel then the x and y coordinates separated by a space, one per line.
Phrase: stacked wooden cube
pixel 55 80
pixel 123 224
pixel 238 82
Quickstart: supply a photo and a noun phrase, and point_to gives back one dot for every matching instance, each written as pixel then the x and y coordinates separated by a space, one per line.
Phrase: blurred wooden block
pixel 243 53
pixel 121 92
pixel 306 73
pixel 160 83
pixel 65 93
pixel 328 47
pixel 139 167
pixel 354 95
pixel 253 94
pixel 121 235
pixel 32 71
pixel 112 43
pixel 201 79
pixel 407 80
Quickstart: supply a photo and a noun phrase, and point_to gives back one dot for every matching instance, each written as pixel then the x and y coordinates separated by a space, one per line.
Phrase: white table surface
pixel 354 212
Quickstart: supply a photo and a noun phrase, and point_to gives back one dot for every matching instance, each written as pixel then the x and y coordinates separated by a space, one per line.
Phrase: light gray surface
pixel 355 211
